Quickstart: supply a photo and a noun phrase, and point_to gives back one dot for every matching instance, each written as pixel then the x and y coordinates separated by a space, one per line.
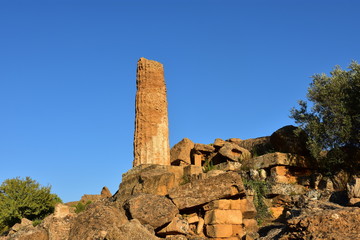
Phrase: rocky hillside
pixel 262 188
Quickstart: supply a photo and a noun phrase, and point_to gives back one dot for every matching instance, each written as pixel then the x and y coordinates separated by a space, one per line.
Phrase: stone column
pixel 151 138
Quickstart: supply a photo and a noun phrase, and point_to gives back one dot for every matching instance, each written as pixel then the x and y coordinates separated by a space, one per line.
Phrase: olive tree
pixel 333 120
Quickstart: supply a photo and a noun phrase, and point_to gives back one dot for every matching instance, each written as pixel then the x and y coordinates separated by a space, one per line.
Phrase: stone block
pixel 192 218
pixel 219 216
pixel 192 170
pixel 206 148
pixel 247 208
pixel 177 226
pixel 234 152
pixel 181 151
pixel 219 230
pixel 276 212
pixel 200 226
pixel 198 159
pixel 218 204
pixel 229 166
pixel 285 179
pixel 219 142
pixel 277 158
pixel 202 191
pixel 279 170
pixel 238 230
pixel 250 225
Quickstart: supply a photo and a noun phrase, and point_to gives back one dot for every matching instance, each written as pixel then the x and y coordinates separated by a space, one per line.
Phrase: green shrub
pixel 185 179
pixel 36 222
pixel 24 198
pixel 208 166
pixel 80 207
pixel 260 189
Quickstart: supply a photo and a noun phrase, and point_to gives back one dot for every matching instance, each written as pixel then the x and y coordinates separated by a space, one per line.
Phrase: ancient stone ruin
pixel 151 138
pixel 253 189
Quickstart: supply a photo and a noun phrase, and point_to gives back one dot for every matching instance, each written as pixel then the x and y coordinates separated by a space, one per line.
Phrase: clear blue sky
pixel 233 69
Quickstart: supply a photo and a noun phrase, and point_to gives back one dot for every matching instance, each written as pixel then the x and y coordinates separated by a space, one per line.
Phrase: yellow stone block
pixel 219 230
pixel 220 216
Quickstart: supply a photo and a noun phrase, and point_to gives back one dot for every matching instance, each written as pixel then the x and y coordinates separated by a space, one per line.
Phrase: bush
pixel 333 122
pixel 80 207
pixel 24 198
pixel 260 189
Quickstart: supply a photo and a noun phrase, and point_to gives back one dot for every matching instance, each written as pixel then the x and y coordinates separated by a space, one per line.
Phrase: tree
pixel 24 198
pixel 333 121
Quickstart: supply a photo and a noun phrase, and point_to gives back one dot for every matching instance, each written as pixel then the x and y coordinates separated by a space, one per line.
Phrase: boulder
pixel 132 230
pixel 218 143
pixel 202 191
pixel 24 222
pixel 181 152
pixel 151 179
pixel 204 148
pixel 274 159
pixel 353 188
pixel 105 192
pixel 177 226
pixel 233 152
pixel 321 220
pixel 229 166
pixel 151 209
pixel 290 139
pixel 29 232
pixel 96 221
pixel 257 146
pixel 234 140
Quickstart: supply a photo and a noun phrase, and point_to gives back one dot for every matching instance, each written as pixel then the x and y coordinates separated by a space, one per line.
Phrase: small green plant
pixel 208 166
pixel 260 189
pixel 185 179
pixel 36 222
pixel 80 207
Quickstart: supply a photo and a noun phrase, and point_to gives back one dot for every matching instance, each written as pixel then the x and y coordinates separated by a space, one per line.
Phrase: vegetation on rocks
pixel 260 189
pixel 333 121
pixel 24 198
pixel 80 207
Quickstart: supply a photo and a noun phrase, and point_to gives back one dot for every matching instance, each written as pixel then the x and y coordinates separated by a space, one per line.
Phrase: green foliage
pixel 333 121
pixel 80 207
pixel 185 179
pixel 260 189
pixel 24 198
pixel 208 166
pixel 36 222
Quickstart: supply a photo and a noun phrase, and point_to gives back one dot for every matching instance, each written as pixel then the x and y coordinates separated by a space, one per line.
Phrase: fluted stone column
pixel 151 138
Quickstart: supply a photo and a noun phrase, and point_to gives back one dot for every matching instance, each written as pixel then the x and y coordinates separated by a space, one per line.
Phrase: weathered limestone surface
pixel 151 209
pixel 277 158
pixel 151 138
pixel 200 192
